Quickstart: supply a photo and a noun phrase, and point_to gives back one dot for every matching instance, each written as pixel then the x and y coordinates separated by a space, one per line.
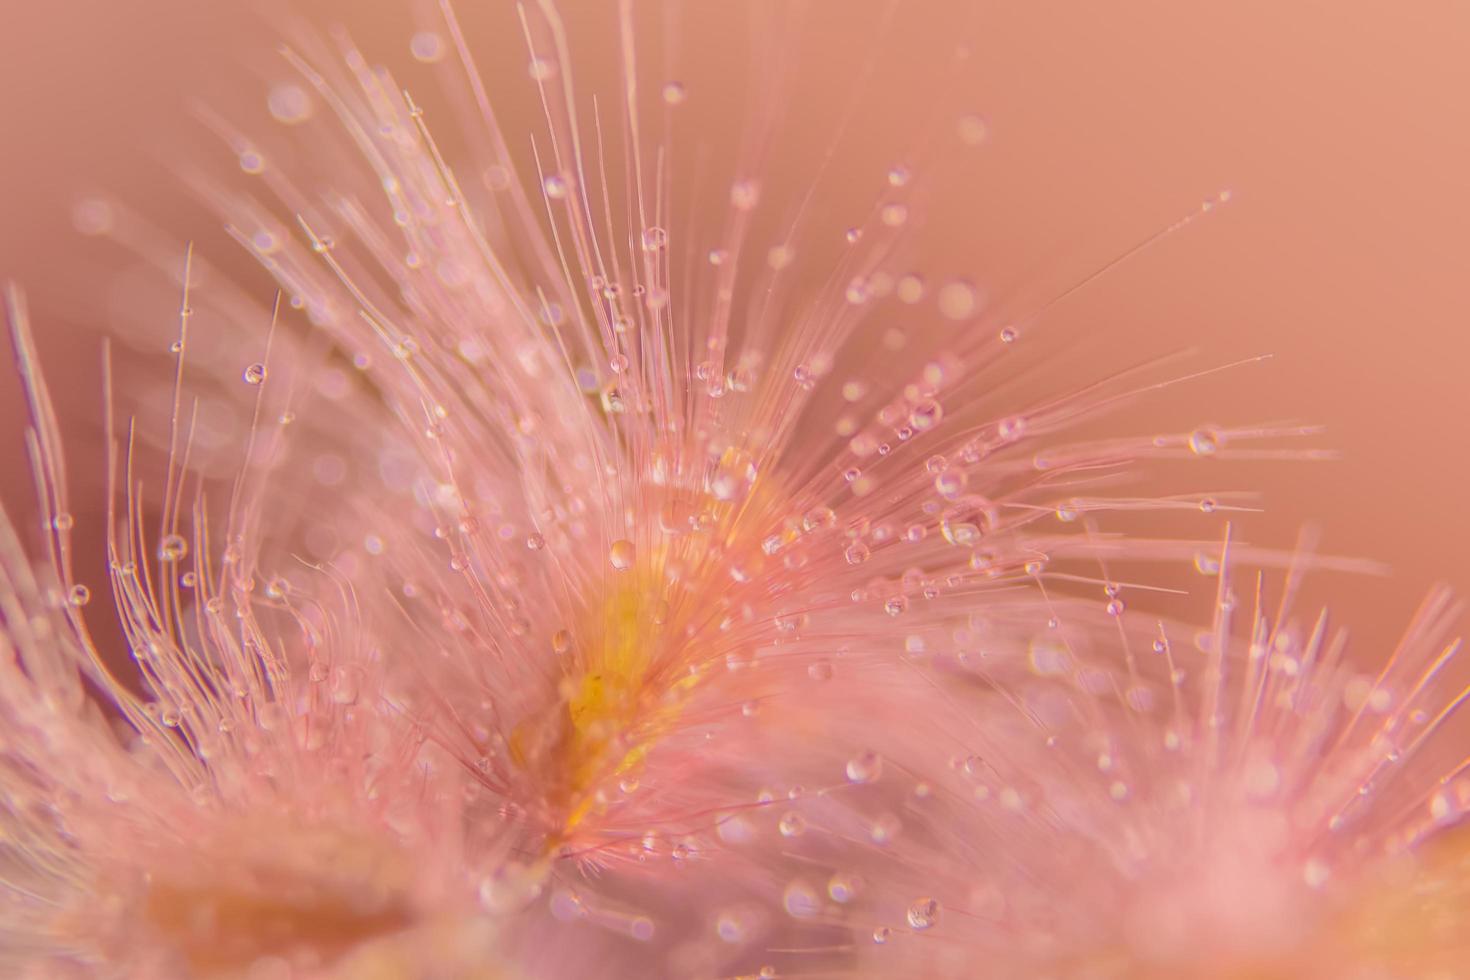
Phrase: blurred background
pixel 1342 131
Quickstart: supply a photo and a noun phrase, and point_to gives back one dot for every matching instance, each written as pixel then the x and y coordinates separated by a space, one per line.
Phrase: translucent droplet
pixel 63 521
pixel 1008 335
pixel 958 299
pixel 965 523
pixel 1011 429
pixel 856 553
pixel 254 374
pixel 744 194
pixel 926 414
pixel 79 595
pixel 923 913
pixel 1204 442
pixel 251 161
pixel 621 554
pixel 800 901
pixel 426 46
pixel 791 824
pixel 951 483
pixel 674 94
pixel 654 239
pixel 172 547
pixel 881 934
pixel 864 767
pixel 842 888
pixel 289 104
pixel 555 187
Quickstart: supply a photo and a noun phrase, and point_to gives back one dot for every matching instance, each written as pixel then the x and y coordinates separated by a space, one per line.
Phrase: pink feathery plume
pixel 582 605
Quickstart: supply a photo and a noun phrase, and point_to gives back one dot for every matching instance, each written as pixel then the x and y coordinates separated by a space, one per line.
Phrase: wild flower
pixel 672 612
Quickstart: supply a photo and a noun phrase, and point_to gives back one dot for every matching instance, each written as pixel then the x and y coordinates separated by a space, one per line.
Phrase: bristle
pixel 638 605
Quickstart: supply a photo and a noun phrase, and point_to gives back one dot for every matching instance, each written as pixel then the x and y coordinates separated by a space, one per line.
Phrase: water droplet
pixel 426 46
pixel 555 187
pixel 674 94
pixel 1008 335
pixel 1011 429
pixel 950 483
pixel 843 888
pixel 800 901
pixel 654 239
pixel 964 524
pixel 791 824
pixel 254 374
pixel 172 547
pixel 958 299
pixel 744 194
pixel 79 595
pixel 251 161
pixel 864 767
pixel 289 104
pixel 926 414
pixel 881 934
pixel 535 542
pixel 856 553
pixel 884 829
pixel 923 913
pixel 1204 442
pixel 621 554
pixel 63 521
